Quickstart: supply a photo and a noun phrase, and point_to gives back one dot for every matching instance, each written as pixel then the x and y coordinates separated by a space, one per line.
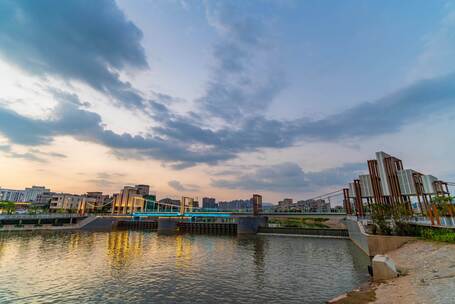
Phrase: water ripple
pixel 142 267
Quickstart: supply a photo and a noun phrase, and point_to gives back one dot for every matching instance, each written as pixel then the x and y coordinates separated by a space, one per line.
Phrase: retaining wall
pixel 339 233
pixel 374 244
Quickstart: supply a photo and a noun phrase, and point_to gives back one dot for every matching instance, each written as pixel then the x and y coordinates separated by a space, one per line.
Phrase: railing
pixel 417 220
pixel 40 216
pixel 425 221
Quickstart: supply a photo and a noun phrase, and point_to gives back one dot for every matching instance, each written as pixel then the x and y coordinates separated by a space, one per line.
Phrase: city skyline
pixel 286 99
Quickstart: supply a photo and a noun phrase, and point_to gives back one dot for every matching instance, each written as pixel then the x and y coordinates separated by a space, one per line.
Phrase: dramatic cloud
pixel 290 177
pixel 245 77
pixel 92 42
pixel 178 186
pixel 88 41
pixel 386 115
pixel 182 143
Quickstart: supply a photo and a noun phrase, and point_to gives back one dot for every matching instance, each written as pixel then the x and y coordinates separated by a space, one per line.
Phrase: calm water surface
pixel 143 267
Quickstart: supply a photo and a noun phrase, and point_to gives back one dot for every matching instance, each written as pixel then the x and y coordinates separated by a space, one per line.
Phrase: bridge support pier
pixel 250 224
pixel 167 226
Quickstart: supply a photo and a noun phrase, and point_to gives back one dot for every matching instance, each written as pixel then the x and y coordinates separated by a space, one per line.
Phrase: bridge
pixel 233 214
pixel 187 209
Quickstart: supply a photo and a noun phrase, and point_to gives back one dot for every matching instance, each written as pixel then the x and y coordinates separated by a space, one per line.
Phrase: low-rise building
pixel 43 199
pixel 92 202
pixel 65 202
pixel 31 194
pixel 11 195
pixel 130 199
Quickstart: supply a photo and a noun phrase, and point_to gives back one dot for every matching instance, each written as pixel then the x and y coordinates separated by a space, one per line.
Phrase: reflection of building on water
pixel 2 247
pixel 259 260
pixel 74 241
pixel 259 254
pixel 124 246
pixel 183 251
pixel 86 240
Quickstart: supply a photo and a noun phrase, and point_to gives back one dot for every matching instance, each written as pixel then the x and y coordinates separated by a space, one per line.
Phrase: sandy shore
pixel 428 277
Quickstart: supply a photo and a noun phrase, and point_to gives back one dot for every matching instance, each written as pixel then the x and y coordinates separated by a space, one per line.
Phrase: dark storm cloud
pixel 290 177
pixel 82 40
pixel 176 185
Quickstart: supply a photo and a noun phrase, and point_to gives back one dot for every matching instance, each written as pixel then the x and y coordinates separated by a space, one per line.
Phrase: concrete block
pixel 167 226
pixel 383 268
pixel 250 224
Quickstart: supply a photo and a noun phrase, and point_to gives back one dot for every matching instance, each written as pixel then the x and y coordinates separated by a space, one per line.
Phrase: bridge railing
pixel 40 216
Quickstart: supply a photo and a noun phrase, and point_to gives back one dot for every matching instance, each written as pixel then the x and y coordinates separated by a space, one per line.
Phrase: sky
pixel 223 98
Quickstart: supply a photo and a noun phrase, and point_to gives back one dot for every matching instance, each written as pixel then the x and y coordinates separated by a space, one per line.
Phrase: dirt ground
pixel 428 276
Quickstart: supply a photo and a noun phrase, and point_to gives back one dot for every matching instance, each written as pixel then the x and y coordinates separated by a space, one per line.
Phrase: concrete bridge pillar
pixel 167 226
pixel 250 224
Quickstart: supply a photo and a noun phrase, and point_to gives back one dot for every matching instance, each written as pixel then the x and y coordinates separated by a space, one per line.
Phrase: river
pixel 143 267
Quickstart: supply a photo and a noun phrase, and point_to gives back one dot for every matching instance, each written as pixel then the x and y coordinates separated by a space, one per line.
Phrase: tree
pixel 443 204
pixel 8 207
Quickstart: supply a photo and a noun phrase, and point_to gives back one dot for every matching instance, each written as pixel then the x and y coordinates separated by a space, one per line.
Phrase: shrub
pixel 440 235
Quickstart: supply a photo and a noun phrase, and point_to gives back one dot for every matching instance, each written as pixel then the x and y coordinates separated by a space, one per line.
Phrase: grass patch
pixel 300 222
pixel 426 233
pixel 439 235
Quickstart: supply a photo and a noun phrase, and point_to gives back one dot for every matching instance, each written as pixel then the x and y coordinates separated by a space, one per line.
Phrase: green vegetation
pixel 394 221
pixel 7 207
pixel 444 204
pixel 389 221
pixel 426 233
pixel 439 235
pixel 300 222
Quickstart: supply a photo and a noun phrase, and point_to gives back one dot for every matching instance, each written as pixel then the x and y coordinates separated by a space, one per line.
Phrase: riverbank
pixel 428 276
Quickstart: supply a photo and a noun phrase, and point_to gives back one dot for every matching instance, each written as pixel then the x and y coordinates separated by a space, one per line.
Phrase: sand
pixel 428 276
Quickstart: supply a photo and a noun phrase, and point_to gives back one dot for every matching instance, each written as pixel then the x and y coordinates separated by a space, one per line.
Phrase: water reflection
pixel 142 267
pixel 123 247
pixel 183 249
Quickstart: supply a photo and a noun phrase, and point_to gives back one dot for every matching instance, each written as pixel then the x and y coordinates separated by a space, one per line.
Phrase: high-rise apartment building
pixel 209 203
pixel 256 200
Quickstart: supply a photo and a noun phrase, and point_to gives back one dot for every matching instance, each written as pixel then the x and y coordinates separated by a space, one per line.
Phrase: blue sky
pixel 223 98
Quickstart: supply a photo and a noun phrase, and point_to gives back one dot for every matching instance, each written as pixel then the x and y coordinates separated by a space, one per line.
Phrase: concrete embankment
pixel 308 232
pixel 374 244
pixel 29 222
pixel 427 270
pixel 427 276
